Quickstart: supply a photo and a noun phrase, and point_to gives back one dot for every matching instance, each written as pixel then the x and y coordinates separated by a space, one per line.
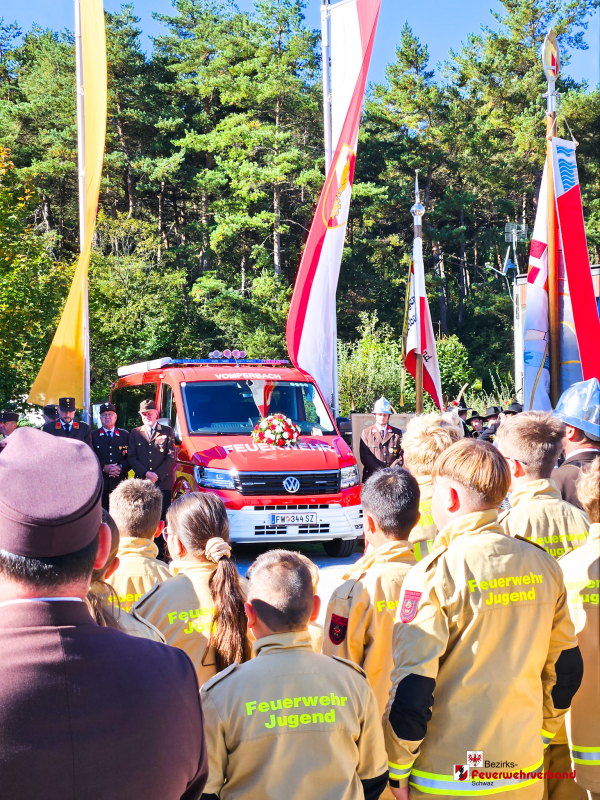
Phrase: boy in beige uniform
pixel 483 625
pixel 290 723
pixel 360 614
pixel 425 438
pixel 531 442
pixel 581 569
pixel 136 507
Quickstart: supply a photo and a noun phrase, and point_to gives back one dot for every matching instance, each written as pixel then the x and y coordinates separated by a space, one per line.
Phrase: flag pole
pixel 551 64
pixel 82 199
pixel 417 212
pixel 327 136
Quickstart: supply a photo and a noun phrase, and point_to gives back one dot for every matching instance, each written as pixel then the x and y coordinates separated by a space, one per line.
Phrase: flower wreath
pixel 276 430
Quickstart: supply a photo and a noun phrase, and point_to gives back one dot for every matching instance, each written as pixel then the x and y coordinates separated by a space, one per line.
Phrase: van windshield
pixel 235 407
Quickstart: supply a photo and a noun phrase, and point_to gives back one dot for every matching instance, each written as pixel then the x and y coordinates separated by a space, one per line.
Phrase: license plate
pixel 294 519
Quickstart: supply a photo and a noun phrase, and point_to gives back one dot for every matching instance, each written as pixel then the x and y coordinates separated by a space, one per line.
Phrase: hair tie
pixel 216 549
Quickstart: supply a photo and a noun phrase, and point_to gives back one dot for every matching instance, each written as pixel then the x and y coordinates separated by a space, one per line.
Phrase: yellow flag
pixel 63 370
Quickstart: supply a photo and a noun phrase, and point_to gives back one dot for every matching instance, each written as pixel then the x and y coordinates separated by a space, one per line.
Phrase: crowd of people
pixel 460 656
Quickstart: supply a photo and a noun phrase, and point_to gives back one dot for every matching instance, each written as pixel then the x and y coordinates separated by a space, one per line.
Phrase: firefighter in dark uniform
pixel 110 445
pixel 8 424
pixel 475 423
pixel 462 410
pixel 67 425
pixel 380 444
pixel 151 452
pixel 50 413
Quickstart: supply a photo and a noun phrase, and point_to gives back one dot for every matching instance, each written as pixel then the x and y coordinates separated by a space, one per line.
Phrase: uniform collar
pixel 475 523
pixel 594 533
pixel 194 567
pixel 45 614
pixel 276 642
pixel 391 551
pixel 423 480
pixel 593 451
pixel 138 546
pixel 535 490
pixel 109 432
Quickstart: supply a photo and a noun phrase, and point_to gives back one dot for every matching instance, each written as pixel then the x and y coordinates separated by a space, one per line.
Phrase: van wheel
pixel 339 548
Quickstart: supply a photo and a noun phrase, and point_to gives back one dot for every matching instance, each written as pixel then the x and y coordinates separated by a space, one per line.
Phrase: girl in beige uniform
pixel 201 608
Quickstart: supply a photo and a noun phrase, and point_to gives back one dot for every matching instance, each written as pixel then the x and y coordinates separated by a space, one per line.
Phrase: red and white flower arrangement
pixel 276 430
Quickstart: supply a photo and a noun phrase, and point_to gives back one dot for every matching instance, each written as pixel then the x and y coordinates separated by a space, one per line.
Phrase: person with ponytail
pixel 201 608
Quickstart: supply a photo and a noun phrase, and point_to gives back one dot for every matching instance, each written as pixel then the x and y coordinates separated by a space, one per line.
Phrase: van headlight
pixel 214 478
pixel 349 477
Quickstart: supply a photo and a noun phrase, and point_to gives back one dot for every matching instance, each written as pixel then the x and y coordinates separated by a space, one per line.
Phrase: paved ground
pixel 331 569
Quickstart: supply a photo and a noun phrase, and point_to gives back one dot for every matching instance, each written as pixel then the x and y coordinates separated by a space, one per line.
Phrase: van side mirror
pixel 344 425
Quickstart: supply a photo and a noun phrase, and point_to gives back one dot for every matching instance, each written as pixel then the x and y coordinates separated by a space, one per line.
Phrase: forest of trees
pixel 214 163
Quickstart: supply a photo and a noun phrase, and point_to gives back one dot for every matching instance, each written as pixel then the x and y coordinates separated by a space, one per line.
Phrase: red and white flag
pixel 310 324
pixel 420 337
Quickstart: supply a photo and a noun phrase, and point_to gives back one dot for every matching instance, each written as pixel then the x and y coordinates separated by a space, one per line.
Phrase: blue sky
pixel 441 24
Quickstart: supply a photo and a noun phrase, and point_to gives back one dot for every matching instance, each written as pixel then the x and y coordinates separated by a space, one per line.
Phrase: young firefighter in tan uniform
pixel 483 626
pixel 136 505
pixel 290 724
pixel 102 600
pixel 200 609
pixel 531 443
pixel 360 614
pixel 581 569
pixel 425 438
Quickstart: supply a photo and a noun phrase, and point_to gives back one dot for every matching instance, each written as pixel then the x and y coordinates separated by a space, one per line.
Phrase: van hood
pixel 244 455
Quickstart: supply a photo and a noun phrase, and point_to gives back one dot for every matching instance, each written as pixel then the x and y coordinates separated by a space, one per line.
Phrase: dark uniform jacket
pixel 377 453
pixel 91 712
pixel 79 430
pixel 111 450
pixel 152 455
pixel 566 475
pixel 488 434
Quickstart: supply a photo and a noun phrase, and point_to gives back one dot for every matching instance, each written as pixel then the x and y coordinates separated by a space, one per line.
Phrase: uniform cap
pixel 8 416
pixel 382 406
pixel 476 415
pixel 579 406
pixel 107 407
pixel 50 495
pixel 514 408
pixel 492 411
pixel 67 404
pixel 458 405
pixel 147 405
pixel 50 411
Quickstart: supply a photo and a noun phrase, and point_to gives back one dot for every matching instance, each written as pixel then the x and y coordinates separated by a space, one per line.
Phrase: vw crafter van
pixel 308 492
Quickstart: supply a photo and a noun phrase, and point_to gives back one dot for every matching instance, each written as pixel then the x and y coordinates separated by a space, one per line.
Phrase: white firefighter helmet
pixel 382 406
pixel 579 406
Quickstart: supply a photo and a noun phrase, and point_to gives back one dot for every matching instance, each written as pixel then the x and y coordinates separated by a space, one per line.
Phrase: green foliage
pixel 212 170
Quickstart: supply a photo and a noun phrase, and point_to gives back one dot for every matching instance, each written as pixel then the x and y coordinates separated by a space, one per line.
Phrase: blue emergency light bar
pixel 226 361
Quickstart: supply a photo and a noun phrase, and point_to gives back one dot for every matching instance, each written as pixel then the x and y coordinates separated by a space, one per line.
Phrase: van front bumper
pixel 254 523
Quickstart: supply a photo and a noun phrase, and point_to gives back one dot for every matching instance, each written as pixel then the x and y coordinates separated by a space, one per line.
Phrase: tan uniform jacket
pixel 425 531
pixel 581 569
pixel 182 610
pixel 481 624
pixel 134 626
pixel 377 452
pixel 139 570
pixel 360 614
pixel 291 724
pixel 540 514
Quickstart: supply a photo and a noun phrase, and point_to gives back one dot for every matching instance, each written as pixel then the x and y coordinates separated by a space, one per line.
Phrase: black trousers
pixel 163 553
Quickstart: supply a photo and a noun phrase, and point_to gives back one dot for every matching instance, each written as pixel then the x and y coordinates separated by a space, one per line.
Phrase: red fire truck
pixel 303 493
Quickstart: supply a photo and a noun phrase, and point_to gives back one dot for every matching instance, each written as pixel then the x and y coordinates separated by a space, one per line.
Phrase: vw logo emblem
pixel 291 484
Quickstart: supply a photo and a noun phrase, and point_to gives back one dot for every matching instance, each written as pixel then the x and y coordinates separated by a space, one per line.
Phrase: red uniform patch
pixel 58 425
pixel 338 628
pixel 410 604
pixel 76 426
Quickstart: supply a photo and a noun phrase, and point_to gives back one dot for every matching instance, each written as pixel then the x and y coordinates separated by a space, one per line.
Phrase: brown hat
pixel 50 495
pixel 107 407
pixel 50 411
pixel 8 416
pixel 67 404
pixel 147 405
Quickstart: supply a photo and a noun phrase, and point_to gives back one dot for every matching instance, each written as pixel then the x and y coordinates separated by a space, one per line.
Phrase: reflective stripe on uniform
pixel 399 771
pixel 417 549
pixel 430 783
pixel 547 737
pixel 586 755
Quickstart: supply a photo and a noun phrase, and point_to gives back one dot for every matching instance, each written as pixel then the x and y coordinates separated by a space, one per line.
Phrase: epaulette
pixel 219 677
pixel 351 664
pixel 535 544
pixel 133 613
pixel 144 596
pixel 423 564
